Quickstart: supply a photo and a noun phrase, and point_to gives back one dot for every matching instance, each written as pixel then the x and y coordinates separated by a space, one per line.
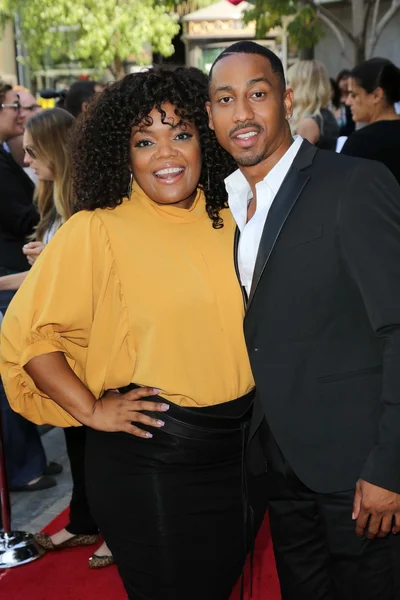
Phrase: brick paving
pixel 31 511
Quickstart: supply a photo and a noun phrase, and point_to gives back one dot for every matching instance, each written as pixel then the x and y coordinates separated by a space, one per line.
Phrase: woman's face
pixel 166 158
pixel 362 104
pixel 41 167
pixel 344 89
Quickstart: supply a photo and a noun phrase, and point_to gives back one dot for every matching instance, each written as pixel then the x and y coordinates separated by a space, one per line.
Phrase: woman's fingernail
pixel 160 423
pixel 149 435
pixel 164 406
pixel 156 390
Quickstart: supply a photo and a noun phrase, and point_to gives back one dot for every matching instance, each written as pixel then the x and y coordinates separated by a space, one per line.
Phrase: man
pixel 79 96
pixel 28 108
pixel 18 216
pixel 319 257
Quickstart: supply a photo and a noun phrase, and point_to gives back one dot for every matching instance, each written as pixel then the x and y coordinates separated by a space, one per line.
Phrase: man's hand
pixel 32 251
pixel 375 510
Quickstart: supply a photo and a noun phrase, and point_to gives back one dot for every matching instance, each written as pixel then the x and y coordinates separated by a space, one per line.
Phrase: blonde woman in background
pixel 46 144
pixel 47 151
pixel 312 118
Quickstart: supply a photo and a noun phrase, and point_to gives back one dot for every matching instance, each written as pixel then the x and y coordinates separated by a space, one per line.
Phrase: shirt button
pixel 256 349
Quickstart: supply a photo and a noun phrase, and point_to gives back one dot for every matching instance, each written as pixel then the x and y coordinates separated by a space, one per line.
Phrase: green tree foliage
pixel 304 28
pixel 92 33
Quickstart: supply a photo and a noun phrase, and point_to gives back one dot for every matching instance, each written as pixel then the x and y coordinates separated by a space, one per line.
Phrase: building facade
pixel 8 63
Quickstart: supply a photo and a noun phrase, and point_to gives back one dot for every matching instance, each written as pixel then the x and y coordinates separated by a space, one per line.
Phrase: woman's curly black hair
pixel 102 139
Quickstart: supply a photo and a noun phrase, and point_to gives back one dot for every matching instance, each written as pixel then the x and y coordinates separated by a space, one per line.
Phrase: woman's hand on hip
pixel 121 412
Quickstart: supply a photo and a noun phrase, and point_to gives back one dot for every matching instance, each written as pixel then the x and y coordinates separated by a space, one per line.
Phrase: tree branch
pixel 333 27
pixel 366 17
pixel 339 24
pixel 336 32
pixel 386 18
pixel 372 38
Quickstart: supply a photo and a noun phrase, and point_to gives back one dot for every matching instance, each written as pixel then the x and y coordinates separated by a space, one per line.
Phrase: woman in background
pixel 374 89
pixel 46 151
pixel 47 142
pixel 312 118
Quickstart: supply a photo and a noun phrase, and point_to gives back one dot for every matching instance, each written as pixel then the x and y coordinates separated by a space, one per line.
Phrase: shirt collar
pixel 237 185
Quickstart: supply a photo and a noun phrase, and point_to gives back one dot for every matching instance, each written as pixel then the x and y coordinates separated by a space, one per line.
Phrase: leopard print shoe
pixel 44 540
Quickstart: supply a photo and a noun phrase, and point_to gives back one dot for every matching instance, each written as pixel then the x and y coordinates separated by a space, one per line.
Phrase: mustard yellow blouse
pixel 142 293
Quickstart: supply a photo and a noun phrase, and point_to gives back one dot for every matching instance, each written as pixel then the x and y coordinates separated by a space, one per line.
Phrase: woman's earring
pixel 130 185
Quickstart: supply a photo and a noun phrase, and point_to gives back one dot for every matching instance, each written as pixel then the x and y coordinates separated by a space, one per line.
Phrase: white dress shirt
pixel 239 196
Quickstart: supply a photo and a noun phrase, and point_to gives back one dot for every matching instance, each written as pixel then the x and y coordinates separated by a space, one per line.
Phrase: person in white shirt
pixel 318 256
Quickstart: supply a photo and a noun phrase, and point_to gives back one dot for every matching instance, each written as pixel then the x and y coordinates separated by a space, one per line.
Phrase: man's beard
pixel 249 161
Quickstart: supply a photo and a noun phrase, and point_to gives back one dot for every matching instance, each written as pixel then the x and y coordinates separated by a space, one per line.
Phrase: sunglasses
pixel 31 152
pixel 14 105
pixel 30 108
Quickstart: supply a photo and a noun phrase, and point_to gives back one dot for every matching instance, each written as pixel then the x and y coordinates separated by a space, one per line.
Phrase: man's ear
pixel 210 119
pixel 288 102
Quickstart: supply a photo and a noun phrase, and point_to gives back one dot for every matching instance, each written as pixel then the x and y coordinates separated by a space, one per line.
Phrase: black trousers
pixel 80 517
pixel 318 555
pixel 172 509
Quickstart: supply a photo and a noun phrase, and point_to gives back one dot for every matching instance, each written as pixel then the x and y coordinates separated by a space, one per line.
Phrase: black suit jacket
pixel 18 215
pixel 323 323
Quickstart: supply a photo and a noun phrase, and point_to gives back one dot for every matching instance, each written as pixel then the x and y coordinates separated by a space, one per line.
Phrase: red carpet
pixel 65 575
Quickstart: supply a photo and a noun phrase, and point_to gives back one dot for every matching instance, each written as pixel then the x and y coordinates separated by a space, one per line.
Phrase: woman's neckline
pixel 168 212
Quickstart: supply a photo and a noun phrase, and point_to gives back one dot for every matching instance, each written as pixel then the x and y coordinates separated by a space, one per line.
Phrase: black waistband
pixel 229 416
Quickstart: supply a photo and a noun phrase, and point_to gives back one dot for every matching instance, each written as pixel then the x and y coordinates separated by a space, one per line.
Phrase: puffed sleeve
pixel 54 310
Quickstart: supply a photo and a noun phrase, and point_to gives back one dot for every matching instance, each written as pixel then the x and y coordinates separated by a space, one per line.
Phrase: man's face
pixel 248 108
pixel 10 117
pixel 29 106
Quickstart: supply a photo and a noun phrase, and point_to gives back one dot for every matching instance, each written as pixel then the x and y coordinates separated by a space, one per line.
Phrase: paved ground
pixel 31 511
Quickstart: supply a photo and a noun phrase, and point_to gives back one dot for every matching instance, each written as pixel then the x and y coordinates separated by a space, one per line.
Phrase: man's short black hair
pixel 249 47
pixel 78 93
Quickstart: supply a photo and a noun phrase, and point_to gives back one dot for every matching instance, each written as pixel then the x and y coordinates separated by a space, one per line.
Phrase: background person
pixel 28 108
pixel 374 87
pixel 47 141
pixel 342 80
pixel 26 459
pixel 79 95
pixel 311 117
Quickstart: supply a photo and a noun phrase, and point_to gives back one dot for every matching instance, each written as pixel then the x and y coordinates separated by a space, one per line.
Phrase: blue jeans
pixel 25 455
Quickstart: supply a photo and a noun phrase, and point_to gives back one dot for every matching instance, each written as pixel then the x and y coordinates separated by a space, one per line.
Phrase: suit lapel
pixel 284 201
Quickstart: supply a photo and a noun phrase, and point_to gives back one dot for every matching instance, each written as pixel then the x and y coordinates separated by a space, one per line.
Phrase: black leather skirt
pixel 174 508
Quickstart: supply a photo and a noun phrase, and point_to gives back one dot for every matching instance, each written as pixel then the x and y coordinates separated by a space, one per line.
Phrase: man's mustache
pixel 245 126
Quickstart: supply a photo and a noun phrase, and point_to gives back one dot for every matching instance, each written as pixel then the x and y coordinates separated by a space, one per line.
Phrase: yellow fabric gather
pixel 142 293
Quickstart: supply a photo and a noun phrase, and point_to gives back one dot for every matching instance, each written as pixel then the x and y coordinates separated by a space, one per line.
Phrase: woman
pixel 26 460
pixel 46 145
pixel 347 124
pixel 374 89
pixel 140 338
pixel 312 118
pixel 46 151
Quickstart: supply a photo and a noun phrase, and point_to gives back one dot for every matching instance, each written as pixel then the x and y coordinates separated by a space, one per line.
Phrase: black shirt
pixel 18 215
pixel 378 141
